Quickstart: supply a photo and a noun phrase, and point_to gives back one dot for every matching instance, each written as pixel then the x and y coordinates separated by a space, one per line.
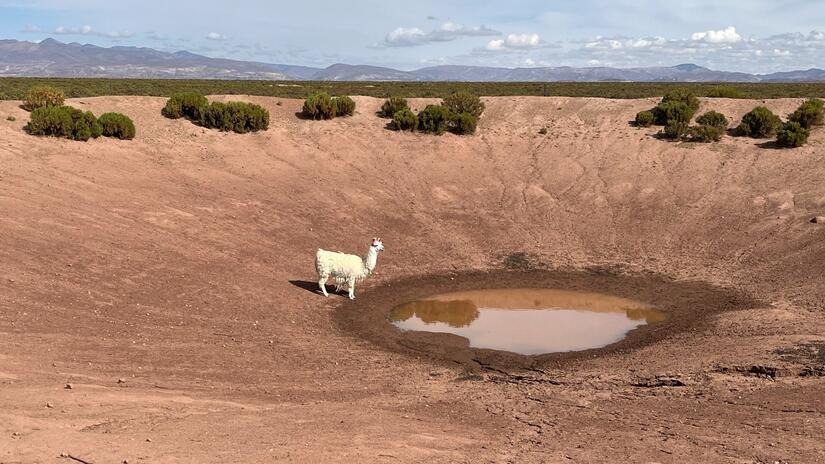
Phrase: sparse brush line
pixel 15 88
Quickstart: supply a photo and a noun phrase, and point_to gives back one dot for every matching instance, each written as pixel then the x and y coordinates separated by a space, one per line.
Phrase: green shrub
pixel 672 111
pixel 240 117
pixel 343 106
pixel 675 130
pixel 319 106
pixel 706 133
pixel 187 104
pixel 644 118
pixel 404 120
pixel 393 105
pixel 677 105
pixel 464 102
pixel 117 125
pixel 713 119
pixel 724 91
pixel 760 122
pixel 64 121
pixel 464 123
pixel 435 119
pixel 792 135
pixel 42 97
pixel 809 114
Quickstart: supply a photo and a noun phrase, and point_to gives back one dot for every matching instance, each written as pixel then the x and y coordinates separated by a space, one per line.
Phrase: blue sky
pixel 751 36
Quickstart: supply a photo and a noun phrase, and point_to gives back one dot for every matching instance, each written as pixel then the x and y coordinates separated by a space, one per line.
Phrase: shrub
pixel 713 119
pixel 319 106
pixel 463 102
pixel 64 121
pixel 11 118
pixel 393 105
pixel 672 111
pixel 677 105
pixel 792 135
pixel 706 133
pixel 809 114
pixel 42 97
pixel 725 91
pixel 187 104
pixel 675 130
pixel 240 117
pixel 434 118
pixel 644 118
pixel 760 122
pixel 343 106
pixel 404 120
pixel 117 125
pixel 464 123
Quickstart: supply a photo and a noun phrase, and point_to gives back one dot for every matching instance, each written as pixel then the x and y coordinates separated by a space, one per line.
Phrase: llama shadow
pixel 313 287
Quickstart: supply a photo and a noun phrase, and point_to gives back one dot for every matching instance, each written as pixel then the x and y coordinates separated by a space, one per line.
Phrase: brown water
pixel 527 320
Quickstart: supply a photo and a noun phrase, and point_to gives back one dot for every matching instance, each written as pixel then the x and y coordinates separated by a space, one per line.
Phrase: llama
pixel 344 268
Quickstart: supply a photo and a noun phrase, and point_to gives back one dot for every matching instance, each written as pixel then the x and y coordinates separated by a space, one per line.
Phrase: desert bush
pixel 393 105
pixel 724 91
pixel 713 119
pixel 644 118
pixel 64 121
pixel 706 133
pixel 319 106
pixel 464 102
pixel 810 113
pixel 792 135
pixel 760 122
pixel 677 105
pixel 187 104
pixel 464 123
pixel 675 130
pixel 435 119
pixel 343 106
pixel 672 111
pixel 117 125
pixel 43 96
pixel 240 117
pixel 405 120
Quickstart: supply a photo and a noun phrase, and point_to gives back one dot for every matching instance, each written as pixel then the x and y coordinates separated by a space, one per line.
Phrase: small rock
pixel 121 380
pixel 818 220
pixel 149 440
pixel 49 405
pixel 64 455
pixel 68 386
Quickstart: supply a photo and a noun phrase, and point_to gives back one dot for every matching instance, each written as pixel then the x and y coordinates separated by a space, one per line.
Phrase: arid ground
pixel 157 302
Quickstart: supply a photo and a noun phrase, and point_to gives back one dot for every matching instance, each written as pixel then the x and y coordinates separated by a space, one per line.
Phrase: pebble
pixel 68 386
pixel 121 380
pixel 818 220
pixel 49 405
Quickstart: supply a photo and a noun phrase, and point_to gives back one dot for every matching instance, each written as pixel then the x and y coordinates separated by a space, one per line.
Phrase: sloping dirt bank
pixel 164 278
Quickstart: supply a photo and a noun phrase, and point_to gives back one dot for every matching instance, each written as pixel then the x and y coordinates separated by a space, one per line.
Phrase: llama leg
pixel 352 289
pixel 321 283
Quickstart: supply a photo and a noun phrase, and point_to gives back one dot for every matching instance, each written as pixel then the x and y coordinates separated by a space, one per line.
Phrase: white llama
pixel 344 268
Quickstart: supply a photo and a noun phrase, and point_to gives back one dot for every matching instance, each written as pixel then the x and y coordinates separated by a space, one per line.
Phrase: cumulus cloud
pixel 447 32
pixel 516 43
pixel 30 28
pixel 215 36
pixel 727 35
pixel 89 30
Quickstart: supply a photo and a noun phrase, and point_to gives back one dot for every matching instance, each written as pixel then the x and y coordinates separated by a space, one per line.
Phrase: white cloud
pixel 728 35
pixel 215 36
pixel 30 28
pixel 515 42
pixel 89 30
pixel 446 32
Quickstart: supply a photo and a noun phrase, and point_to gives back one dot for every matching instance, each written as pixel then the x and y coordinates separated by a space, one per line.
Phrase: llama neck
pixel 371 260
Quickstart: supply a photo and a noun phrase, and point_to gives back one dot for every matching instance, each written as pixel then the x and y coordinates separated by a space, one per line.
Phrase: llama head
pixel 377 245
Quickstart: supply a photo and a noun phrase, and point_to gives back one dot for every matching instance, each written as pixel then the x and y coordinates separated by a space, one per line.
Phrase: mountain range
pixel 52 58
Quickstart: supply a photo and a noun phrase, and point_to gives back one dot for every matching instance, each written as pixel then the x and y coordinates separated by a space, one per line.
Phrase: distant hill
pixel 51 58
